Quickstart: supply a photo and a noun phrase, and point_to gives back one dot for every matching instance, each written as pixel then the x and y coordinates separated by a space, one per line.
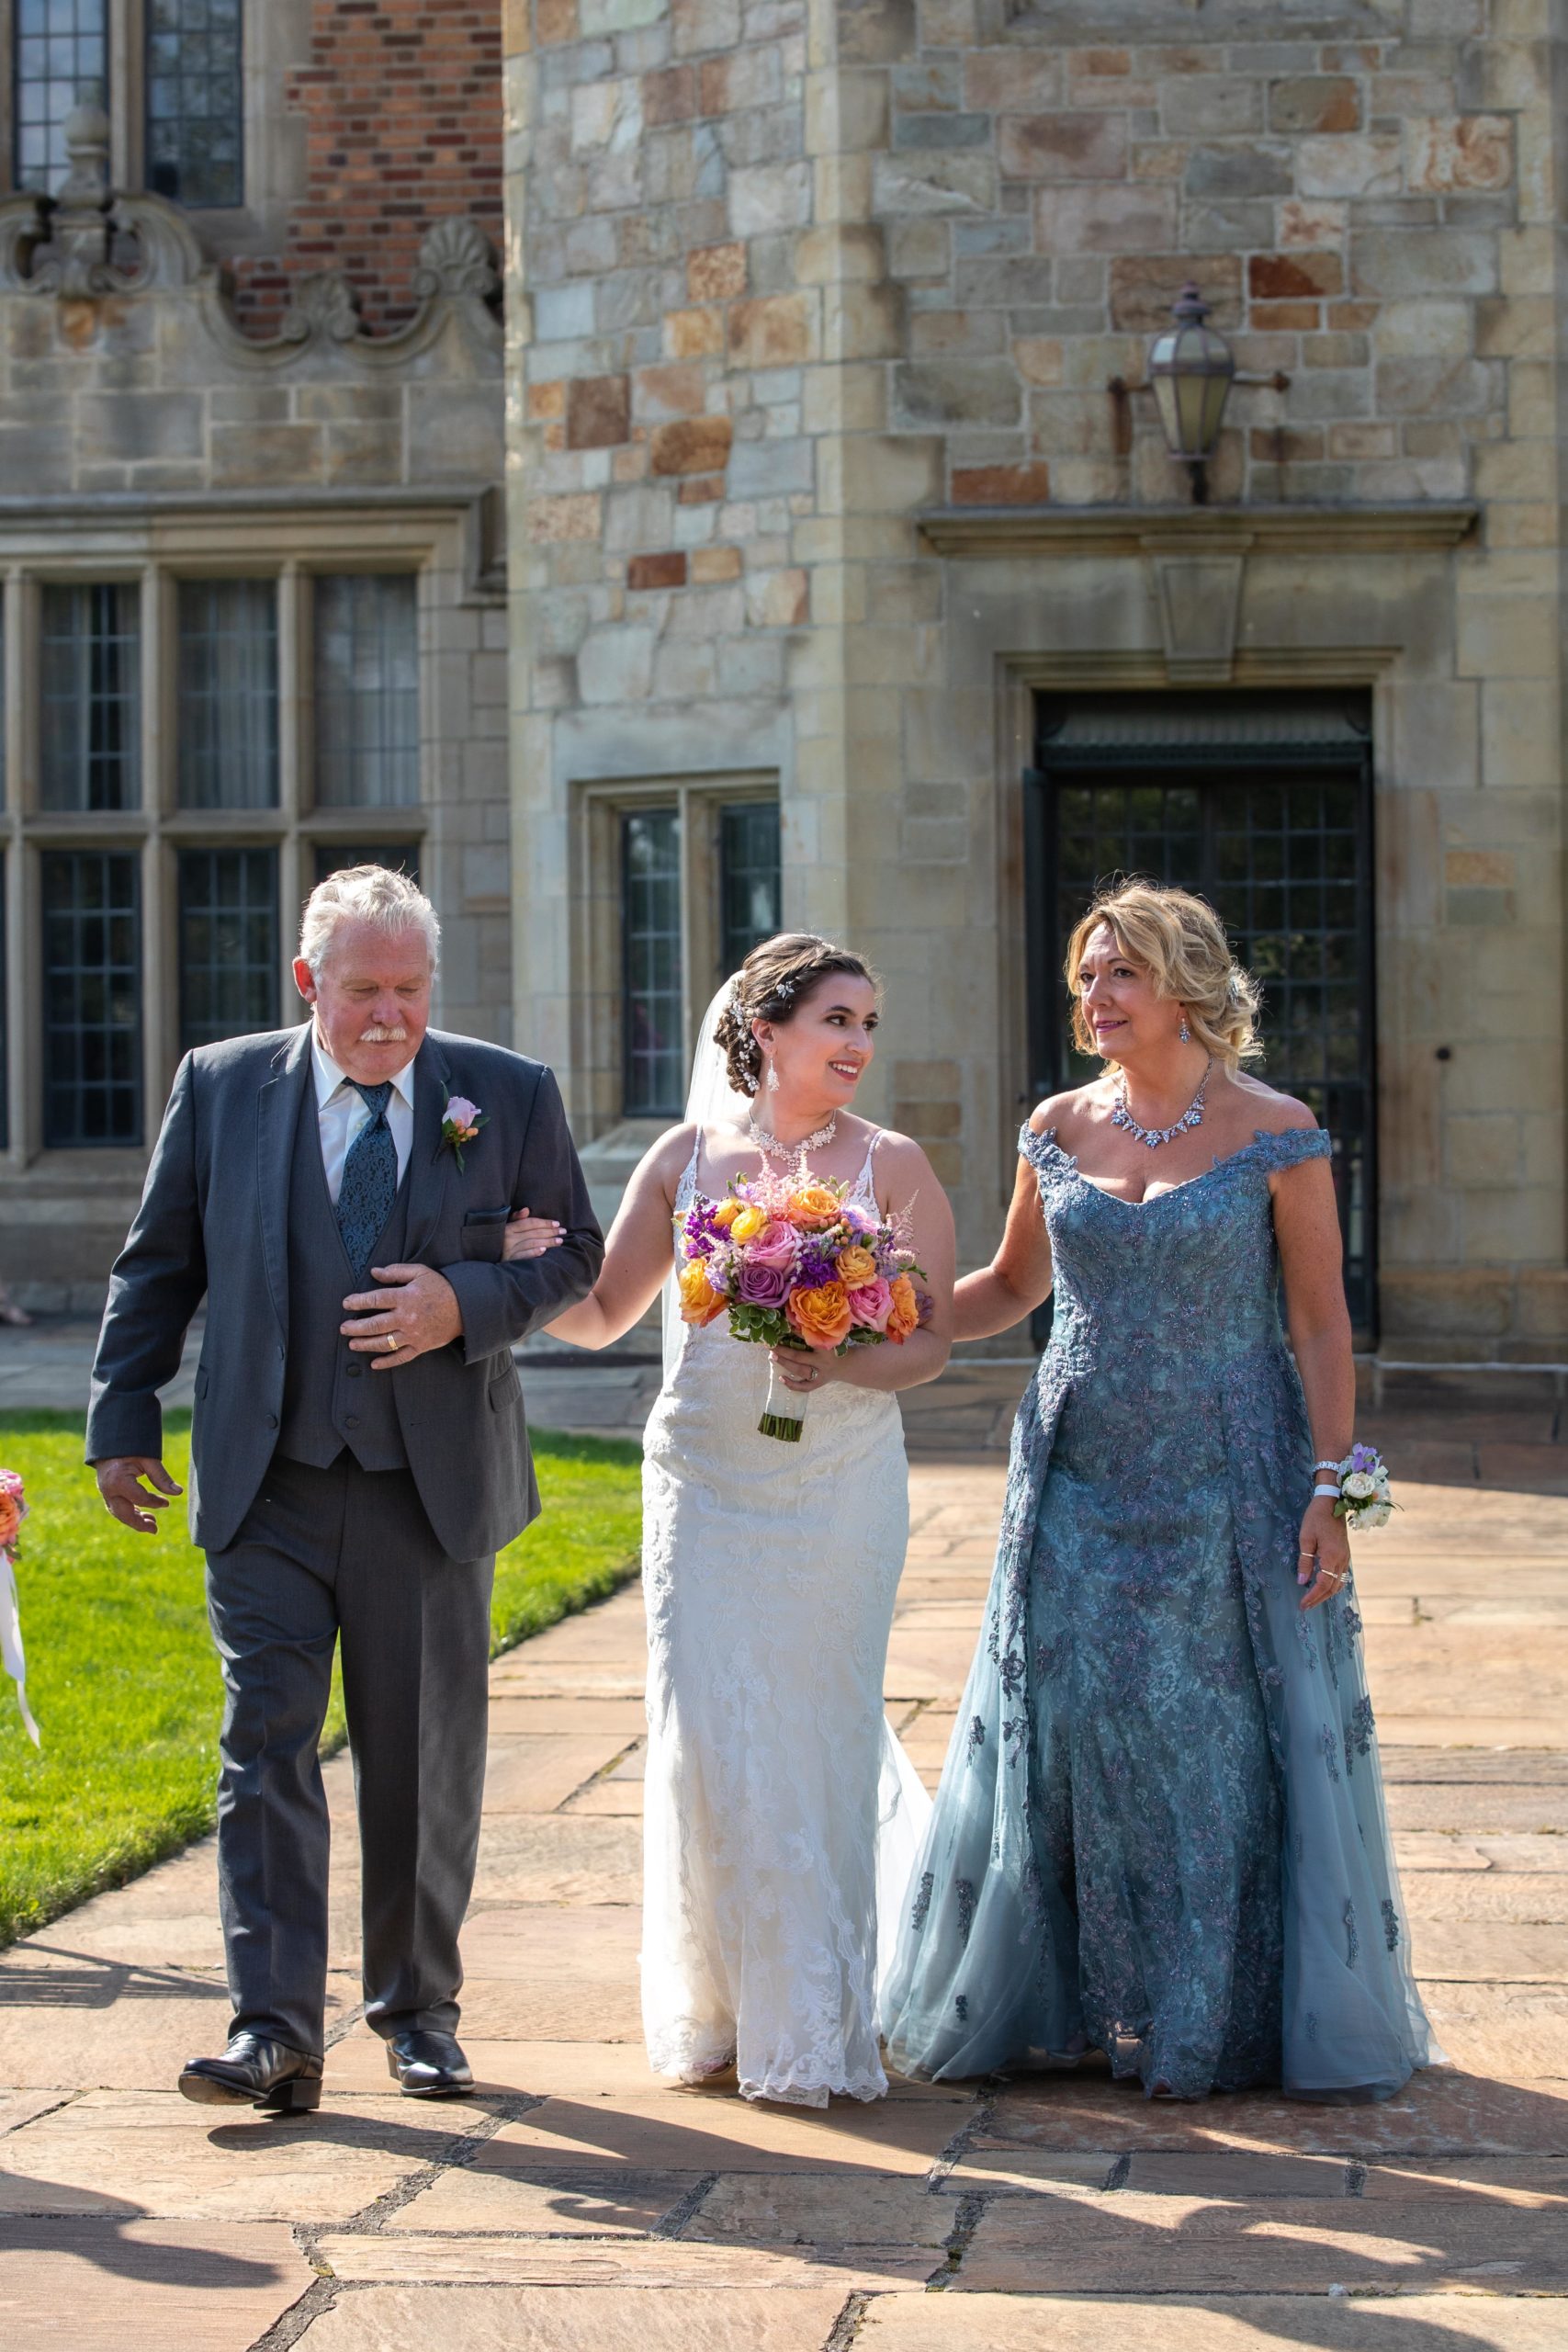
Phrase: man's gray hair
pixel 368 894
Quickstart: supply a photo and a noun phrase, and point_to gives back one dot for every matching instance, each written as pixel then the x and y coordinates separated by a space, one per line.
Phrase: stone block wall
pixel 795 276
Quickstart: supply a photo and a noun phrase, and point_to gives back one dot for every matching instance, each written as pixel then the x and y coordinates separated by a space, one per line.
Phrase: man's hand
pixel 119 1477
pixel 419 1309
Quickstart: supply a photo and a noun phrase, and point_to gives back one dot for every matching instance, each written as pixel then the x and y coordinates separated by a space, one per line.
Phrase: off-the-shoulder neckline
pixel 1069 1159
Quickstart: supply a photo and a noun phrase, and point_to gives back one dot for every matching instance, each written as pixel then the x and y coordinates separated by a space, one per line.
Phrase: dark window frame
pixel 52 170
pixel 101 696
pixel 346 753
pixel 1213 771
pixel 226 726
pixel 253 975
pixel 646 1071
pixel 160 174
pixel 69 1036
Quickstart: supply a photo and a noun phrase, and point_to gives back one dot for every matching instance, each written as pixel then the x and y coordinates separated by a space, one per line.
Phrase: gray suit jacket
pixel 213 1222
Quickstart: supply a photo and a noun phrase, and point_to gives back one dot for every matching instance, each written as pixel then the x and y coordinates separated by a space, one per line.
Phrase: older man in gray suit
pixel 360 1454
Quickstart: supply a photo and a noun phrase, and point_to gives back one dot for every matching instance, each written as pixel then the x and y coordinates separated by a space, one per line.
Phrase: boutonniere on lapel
pixel 460 1123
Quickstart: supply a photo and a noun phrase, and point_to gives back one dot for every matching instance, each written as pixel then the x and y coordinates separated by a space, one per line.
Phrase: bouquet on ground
pixel 1366 1499
pixel 796 1264
pixel 13 1510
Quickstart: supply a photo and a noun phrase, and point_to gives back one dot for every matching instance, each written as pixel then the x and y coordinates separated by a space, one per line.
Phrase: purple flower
pixel 759 1285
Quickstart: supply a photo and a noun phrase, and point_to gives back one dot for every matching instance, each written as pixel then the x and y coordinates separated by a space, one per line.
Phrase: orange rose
pixel 814 1208
pixel 821 1317
pixel 700 1303
pixel 903 1315
pixel 856 1267
pixel 10 1519
pixel 726 1214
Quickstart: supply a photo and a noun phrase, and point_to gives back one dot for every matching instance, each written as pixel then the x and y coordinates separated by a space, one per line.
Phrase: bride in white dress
pixel 781 1817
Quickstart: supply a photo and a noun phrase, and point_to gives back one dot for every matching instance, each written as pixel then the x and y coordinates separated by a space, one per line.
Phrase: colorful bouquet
pixel 13 1510
pixel 794 1264
pixel 1366 1499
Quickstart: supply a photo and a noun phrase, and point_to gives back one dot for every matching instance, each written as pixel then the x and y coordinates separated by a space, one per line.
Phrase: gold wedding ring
pixel 391 1343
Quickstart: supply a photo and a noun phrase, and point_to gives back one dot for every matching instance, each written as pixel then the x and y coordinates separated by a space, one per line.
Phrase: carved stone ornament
pixel 92 240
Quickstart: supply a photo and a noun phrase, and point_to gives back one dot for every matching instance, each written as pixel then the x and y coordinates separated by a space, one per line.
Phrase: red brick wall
pixel 402 101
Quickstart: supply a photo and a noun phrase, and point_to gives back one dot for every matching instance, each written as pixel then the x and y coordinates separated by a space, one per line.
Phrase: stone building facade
pixel 835 490
pixel 251 545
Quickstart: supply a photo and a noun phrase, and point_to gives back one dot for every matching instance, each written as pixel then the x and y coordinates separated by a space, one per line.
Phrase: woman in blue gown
pixel 1160 1831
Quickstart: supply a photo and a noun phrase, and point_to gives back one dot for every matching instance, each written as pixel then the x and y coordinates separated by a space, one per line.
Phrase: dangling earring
pixel 1184 1034
pixel 773 1079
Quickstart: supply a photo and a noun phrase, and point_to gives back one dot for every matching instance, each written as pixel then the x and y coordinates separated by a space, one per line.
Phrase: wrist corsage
pixel 1365 1497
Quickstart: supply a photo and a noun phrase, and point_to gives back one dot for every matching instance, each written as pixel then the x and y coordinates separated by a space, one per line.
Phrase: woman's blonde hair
pixel 1183 940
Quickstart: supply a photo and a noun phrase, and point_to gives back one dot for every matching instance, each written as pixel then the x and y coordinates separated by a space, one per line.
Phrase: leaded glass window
pixel 90 697
pixel 653 1047
pixel 748 879
pixel 228 694
pixel 92 998
pixel 195 108
pixel 229 945
pixel 59 62
pixel 367 690
pixel 1262 803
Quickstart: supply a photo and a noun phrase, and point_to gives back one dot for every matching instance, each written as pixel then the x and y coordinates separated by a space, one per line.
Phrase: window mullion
pixel 294 719
pixel 125 50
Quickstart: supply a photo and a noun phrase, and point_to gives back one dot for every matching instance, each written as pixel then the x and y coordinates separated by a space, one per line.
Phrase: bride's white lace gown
pixel 778 1802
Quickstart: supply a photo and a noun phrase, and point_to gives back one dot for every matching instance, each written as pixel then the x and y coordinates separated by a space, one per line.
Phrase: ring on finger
pixel 392 1343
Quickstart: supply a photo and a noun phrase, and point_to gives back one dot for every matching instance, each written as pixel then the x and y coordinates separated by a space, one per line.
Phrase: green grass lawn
pixel 121 1674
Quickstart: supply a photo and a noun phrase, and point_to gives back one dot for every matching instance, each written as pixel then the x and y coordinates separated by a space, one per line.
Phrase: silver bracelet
pixel 1326 1465
pixel 1333 1492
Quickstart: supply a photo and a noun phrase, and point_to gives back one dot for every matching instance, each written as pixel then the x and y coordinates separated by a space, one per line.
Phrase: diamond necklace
pixel 1154 1137
pixel 771 1149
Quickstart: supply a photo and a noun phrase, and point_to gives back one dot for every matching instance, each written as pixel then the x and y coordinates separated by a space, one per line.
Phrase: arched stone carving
pixel 91 240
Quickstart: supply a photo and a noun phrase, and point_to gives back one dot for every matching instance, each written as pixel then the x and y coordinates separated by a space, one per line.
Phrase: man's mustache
pixel 378 1036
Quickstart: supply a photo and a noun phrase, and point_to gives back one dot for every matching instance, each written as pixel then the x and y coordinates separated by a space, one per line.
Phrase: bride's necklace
pixel 1154 1137
pixel 770 1148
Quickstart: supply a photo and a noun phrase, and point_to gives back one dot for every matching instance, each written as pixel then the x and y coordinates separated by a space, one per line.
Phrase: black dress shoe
pixel 254 2072
pixel 429 2065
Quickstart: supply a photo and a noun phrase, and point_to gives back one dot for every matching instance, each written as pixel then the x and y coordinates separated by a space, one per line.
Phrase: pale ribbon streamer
pixel 11 1656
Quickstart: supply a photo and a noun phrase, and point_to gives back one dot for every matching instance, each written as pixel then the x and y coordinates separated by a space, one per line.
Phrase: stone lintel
pixel 1257 530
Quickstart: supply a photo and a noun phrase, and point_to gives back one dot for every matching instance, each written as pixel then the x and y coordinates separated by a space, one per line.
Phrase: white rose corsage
pixel 1366 1499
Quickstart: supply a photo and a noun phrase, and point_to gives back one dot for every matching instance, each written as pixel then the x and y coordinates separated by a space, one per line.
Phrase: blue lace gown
pixel 1160 1831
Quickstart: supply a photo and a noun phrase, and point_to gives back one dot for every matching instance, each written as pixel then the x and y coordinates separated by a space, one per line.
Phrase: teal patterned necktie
pixel 370 1180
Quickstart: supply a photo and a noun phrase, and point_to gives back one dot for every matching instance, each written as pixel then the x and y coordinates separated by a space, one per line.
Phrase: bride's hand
pixel 530 1236
pixel 805 1372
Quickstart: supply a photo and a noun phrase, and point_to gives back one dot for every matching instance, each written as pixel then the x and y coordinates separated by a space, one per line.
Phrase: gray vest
pixel 329 1399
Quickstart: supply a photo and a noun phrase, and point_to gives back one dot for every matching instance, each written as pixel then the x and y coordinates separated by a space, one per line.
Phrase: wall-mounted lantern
pixel 1191 370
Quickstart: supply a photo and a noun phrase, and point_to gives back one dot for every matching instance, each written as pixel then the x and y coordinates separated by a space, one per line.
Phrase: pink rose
pixel 460 1112
pixel 774 1247
pixel 869 1305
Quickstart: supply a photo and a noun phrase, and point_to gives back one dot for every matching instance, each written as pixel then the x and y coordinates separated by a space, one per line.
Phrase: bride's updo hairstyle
pixel 773 980
pixel 1182 942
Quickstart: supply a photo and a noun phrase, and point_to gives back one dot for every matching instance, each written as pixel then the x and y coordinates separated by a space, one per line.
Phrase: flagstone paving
pixel 577 2205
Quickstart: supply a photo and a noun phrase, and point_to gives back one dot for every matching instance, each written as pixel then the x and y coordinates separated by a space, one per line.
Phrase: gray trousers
pixel 322 1556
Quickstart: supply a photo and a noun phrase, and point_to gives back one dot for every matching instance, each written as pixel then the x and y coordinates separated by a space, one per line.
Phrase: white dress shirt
pixel 342 1110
